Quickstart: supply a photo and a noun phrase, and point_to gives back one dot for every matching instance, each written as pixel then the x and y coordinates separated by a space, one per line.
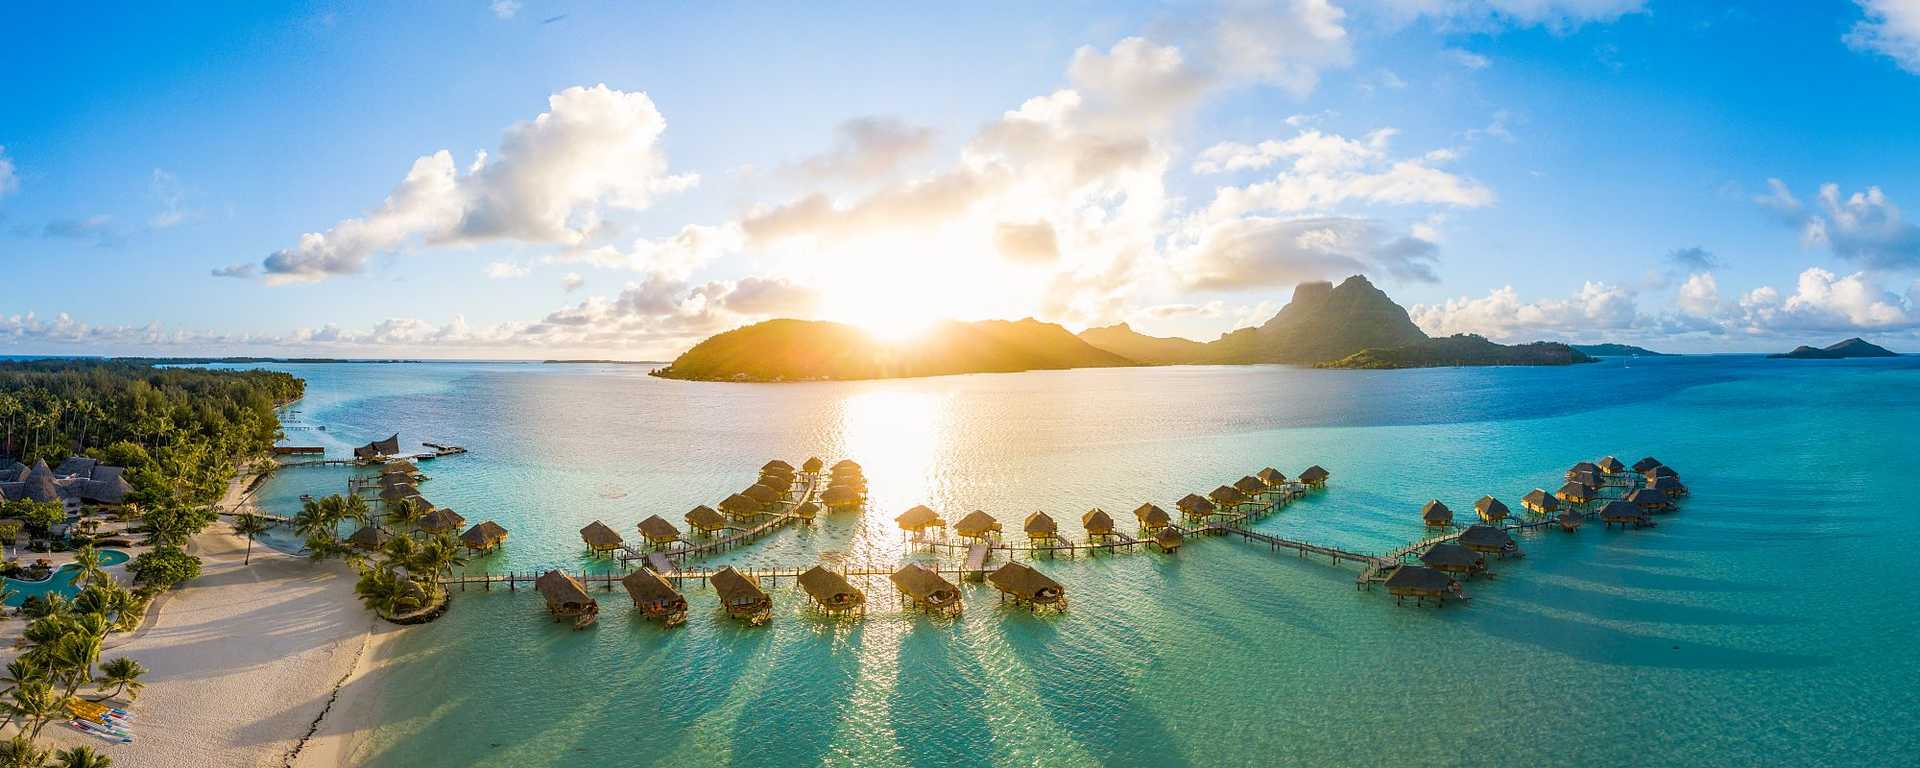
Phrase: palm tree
pixel 20 752
pixel 356 509
pixel 73 659
pixel 402 550
pixel 386 591
pixel 249 525
pixel 438 556
pixel 36 703
pixel 86 562
pixel 49 604
pixel 407 513
pixel 124 675
pixel 81 757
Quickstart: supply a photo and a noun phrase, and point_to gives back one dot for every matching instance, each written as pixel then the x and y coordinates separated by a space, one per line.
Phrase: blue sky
pixel 1649 172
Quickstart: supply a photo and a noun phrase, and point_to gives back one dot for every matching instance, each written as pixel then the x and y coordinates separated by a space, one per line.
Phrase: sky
pixel 531 179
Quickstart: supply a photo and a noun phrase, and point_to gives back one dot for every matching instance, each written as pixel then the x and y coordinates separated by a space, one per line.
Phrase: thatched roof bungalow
pixel 1026 586
pixel 1645 464
pixel 1539 502
pixel 920 518
pixel 842 497
pixel 1624 514
pixel 369 538
pixel 831 591
pixel 656 530
pixel 378 449
pixel 763 493
pixel 567 598
pixel 807 511
pixel 1226 496
pixel 705 520
pixel 1040 527
pixel 1611 466
pixel 599 537
pixel 1249 486
pixel 1489 540
pixel 781 483
pixel 1570 520
pixel 654 597
pixel 1588 479
pixel 1314 476
pixel 1650 499
pixel 401 468
pixel 484 537
pixel 442 520
pixel 393 494
pixel 1447 557
pixel 1575 493
pixel 926 589
pixel 1151 517
pixel 846 467
pixel 1420 583
pixel 1168 539
pixel 777 465
pixel 1659 472
pixel 742 596
pixel 812 465
pixel 1491 510
pixel 1436 514
pixel 1586 467
pixel 977 525
pixel 739 506
pixel 1097 522
pixel 1671 486
pixel 1194 505
pixel 1272 477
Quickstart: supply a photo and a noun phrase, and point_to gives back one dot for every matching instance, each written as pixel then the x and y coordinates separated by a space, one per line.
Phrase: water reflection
pixel 898 435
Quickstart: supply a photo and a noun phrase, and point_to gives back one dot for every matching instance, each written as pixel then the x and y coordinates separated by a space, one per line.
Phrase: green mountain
pixel 1322 323
pixel 1461 349
pixel 1617 350
pixel 804 350
pixel 1854 347
pixel 1152 350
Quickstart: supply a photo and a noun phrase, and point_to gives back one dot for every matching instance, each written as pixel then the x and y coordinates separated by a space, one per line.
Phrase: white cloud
pixel 9 181
pixel 1322 171
pixel 595 148
pixel 1865 227
pixel 1253 253
pixel 1466 58
pixel 571 281
pixel 506 270
pixel 867 149
pixel 1890 28
pixel 674 258
pixel 1700 295
pixel 1823 301
pixel 1501 314
pixel 1489 15
pixel 505 9
pixel 1286 44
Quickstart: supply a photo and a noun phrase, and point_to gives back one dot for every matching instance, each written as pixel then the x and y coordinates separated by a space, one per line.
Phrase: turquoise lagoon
pixel 1768 622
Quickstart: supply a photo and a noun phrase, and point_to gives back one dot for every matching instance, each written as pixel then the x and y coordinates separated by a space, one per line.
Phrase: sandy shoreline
pixel 245 661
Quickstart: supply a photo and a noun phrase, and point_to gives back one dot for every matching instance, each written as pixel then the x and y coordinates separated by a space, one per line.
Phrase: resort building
pixel 442 520
pixel 977 525
pixel 484 537
pixel 654 597
pixel 705 520
pixel 1152 518
pixel 1624 514
pixel 1026 586
pixel 1097 523
pixel 919 520
pixel 600 538
pixel 1421 583
pixel 1436 514
pixel 1314 476
pixel 1272 477
pixel 657 531
pixel 926 590
pixel 378 450
pixel 742 596
pixel 1539 502
pixel 1491 510
pixel 1488 540
pixel 1194 505
pixel 1168 539
pixel 1041 528
pixel 1454 559
pixel 831 592
pixel 76 483
pixel 567 598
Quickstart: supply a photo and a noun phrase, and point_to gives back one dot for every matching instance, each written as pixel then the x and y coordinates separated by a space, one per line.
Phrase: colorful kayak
pixel 81 725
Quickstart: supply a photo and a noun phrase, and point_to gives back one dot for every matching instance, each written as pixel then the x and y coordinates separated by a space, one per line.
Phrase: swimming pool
pixel 62 581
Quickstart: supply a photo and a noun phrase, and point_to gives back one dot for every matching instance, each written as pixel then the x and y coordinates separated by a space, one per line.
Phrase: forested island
pixel 1854 347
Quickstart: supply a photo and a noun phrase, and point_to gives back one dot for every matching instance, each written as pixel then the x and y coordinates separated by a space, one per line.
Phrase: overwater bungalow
pixel 840 497
pixel 777 465
pixel 1040 528
pixel 1026 586
pixel 845 466
pixel 1420 583
pixel 1272 477
pixel 567 598
pixel 1586 467
pixel 1654 475
pixel 977 525
pixel 1588 479
pixel 1645 464
pixel 926 590
pixel 705 520
pixel 1151 517
pixel 781 483
pixel 1612 466
pixel 1570 520
pixel 655 598
pixel 1575 493
pixel 1491 510
pixel 1539 502
pixel 1488 540
pixel 812 465
pixel 831 591
pixel 807 511
pixel 1194 505
pixel 378 449
pixel 484 537
pixel 657 531
pixel 1168 539
pixel 1250 486
pixel 401 468
pixel 1447 557
pixel 1227 497
pixel 765 494
pixel 1650 499
pixel 919 520
pixel 1436 514
pixel 1624 514
pixel 397 478
pixel 442 520
pixel 1671 486
pixel 393 494
pixel 741 596
pixel 369 538
pixel 740 507
pixel 1097 522
pixel 600 538
pixel 1314 476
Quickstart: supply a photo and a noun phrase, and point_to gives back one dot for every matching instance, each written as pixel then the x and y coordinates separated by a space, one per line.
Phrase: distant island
pixel 1617 350
pixel 1352 325
pixel 1854 347
pixel 591 361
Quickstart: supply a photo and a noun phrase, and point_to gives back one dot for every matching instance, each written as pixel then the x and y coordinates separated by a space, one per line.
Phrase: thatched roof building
pixel 656 530
pixel 977 525
pixel 1194 505
pixel 812 465
pixel 1624 514
pixel 599 537
pixel 1026 586
pixel 484 537
pixel 831 591
pixel 1575 493
pixel 654 597
pixel 1584 467
pixel 379 449
pixel 705 520
pixel 1097 522
pixel 1539 502
pixel 402 468
pixel 926 589
pixel 1671 486
pixel 842 497
pixel 777 465
pixel 919 519
pixel 807 511
pixel 1488 540
pixel 1151 517
pixel 1040 526
pixel 1661 471
pixel 1420 582
pixel 1452 558
pixel 1226 496
pixel 1570 520
pixel 781 483
pixel 1168 539
pixel 1491 510
pixel 1272 477
pixel 1588 479
pixel 1436 514
pixel 1650 499
pixel 1249 486
pixel 846 465
pixel 393 494
pixel 763 493
pixel 742 596
pixel 442 520
pixel 369 538
pixel 1314 476
pixel 1645 464
pixel 566 597
pixel 738 506
pixel 1611 466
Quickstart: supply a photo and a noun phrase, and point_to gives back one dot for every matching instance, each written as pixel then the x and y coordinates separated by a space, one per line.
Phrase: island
pixel 1854 347
pixel 1616 350
pixel 1461 350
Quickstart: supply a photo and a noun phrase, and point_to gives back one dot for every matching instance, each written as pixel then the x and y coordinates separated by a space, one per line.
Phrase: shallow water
pixel 1762 624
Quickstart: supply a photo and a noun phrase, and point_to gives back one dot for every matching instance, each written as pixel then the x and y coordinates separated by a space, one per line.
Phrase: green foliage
pixel 123 674
pixel 36 515
pixel 172 525
pixel 163 567
pixel 249 525
pixel 81 757
pixel 387 591
pixel 19 751
pixel 1461 349
pixel 800 350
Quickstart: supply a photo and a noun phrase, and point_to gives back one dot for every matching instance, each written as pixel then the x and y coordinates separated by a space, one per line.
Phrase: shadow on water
pixel 936 704
pixel 1612 607
pixel 707 667
pixel 800 707
pixel 1633 578
pixel 1086 694
pixel 1598 644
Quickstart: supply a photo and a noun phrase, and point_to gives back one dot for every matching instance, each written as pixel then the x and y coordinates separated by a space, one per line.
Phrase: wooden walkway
pixel 631 552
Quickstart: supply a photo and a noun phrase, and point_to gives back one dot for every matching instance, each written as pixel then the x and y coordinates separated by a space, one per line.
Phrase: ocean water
pixel 1769 622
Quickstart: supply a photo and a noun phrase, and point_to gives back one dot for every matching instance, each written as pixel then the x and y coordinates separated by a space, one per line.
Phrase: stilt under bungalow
pixel 567 599
pixel 485 537
pixel 706 520
pixel 831 592
pixel 741 596
pixel 1315 476
pixel 658 532
pixel 1151 517
pixel 1450 558
pixel 926 590
pixel 919 520
pixel 977 525
pixel 1436 514
pixel 1040 528
pixel 656 599
pixel 1491 510
pixel 1489 540
pixel 1539 502
pixel 1421 583
pixel 600 538
pixel 1623 514
pixel 1027 587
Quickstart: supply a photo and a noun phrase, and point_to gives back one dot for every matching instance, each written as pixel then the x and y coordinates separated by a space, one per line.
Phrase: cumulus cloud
pixel 1026 243
pixel 1501 314
pixel 506 270
pixel 1825 302
pixel 1320 171
pixel 1699 296
pixel 1256 253
pixel 9 180
pixel 1864 227
pixel 674 257
pixel 1694 258
pixel 1890 28
pixel 505 9
pixel 1286 44
pixel 867 148
pixel 552 177
pixel 571 281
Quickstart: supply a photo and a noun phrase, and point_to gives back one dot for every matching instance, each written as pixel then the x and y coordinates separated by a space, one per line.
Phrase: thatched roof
pixel 1314 474
pixel 705 518
pixel 840 494
pixel 854 482
pixel 1271 476
pixel 369 538
pixel 1491 509
pixel 392 494
pixel 830 589
pixel 486 535
pixel 1648 498
pixel 1646 464
pixel 656 528
pixel 1249 485
pixel 1584 466
pixel 1027 584
pixel 1040 524
pixel 1194 504
pixel 812 464
pixel 1226 496
pixel 442 519
pixel 653 592
pixel 1667 485
pixel 777 466
pixel 377 448
pixel 1661 471
pixel 1540 500
pixel 920 517
pixel 1151 516
pixel 738 590
pixel 1097 522
pixel 807 511
pixel 845 465
pixel 402 467
pixel 976 524
pixel 1571 519
pixel 739 506
pixel 781 483
pixel 1483 537
pixel 1168 538
pixel 924 585
pixel 1418 580
pixel 1574 492
pixel 1615 511
pixel 1446 556
pixel 1436 513
pixel 598 536
pixel 564 593
pixel 1611 465
pixel 762 493
pixel 1589 479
